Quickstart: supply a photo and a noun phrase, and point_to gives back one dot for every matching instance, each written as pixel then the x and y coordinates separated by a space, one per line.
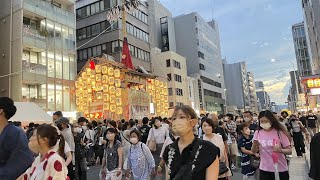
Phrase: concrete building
pixel 38 52
pixel 312 27
pixel 294 94
pixel 199 42
pixel 237 89
pixel 262 96
pixel 92 20
pixel 193 92
pixel 252 92
pixel 301 50
pixel 173 67
pixel 259 85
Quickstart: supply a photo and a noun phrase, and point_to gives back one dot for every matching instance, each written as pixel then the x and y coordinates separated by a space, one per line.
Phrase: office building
pixel 92 21
pixel 38 50
pixel 237 88
pixel 259 85
pixel 312 28
pixel 301 50
pixel 172 67
pixel 252 92
pixel 199 42
pixel 263 97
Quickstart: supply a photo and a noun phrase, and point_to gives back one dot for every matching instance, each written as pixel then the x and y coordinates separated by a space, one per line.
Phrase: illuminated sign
pixel 313 83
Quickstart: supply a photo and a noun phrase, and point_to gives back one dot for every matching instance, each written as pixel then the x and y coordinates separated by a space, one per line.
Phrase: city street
pixel 298 170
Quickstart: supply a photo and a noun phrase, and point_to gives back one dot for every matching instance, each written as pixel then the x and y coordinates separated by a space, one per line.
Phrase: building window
pixel 170 91
pixel 176 64
pixel 169 77
pixel 168 63
pixel 177 78
pixel 202 67
pixel 200 55
pixel 196 18
pixel 179 92
pixel 179 104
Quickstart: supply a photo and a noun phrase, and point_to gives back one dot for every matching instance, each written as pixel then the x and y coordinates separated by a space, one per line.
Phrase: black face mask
pixel 60 127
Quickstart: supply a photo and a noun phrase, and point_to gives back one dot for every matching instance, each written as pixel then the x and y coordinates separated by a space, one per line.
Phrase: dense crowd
pixel 181 147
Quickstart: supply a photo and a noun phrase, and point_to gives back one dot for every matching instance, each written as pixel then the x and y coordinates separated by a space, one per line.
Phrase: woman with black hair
pixel 271 140
pixel 112 159
pixel 49 164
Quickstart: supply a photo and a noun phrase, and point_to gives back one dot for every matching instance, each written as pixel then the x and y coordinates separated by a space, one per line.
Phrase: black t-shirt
pixel 190 166
pixel 312 121
pixel 144 133
pixel 222 132
pixel 253 127
pixel 303 120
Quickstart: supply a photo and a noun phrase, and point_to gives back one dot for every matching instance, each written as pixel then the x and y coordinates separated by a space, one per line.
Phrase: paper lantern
pixel 88 70
pixel 98 68
pixel 105 88
pixel 113 108
pixel 106 106
pixel 84 75
pixel 98 77
pixel 99 95
pixel 117 73
pixel 112 99
pixel 118 92
pixel 98 87
pixel 112 90
pixel 110 71
pixel 157 82
pixel 118 101
pixel 111 80
pixel 117 82
pixel 104 70
pixel 105 79
pixel 105 97
pixel 93 84
pixel 119 110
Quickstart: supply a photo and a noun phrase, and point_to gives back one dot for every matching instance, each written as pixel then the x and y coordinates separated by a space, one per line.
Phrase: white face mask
pixel 246 119
pixel 84 128
pixel 265 126
pixel 226 118
pixel 134 140
pixel 255 118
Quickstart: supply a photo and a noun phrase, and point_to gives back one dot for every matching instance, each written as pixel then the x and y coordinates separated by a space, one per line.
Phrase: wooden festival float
pixel 106 89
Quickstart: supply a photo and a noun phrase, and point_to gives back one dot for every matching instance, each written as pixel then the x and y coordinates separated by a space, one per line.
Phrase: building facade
pixel 199 42
pixel 38 52
pixel 312 27
pixel 301 50
pixel 237 88
pixel 252 92
pixel 92 21
pixel 262 96
pixel 173 68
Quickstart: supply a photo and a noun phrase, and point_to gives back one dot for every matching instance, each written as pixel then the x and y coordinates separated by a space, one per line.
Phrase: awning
pixel 30 112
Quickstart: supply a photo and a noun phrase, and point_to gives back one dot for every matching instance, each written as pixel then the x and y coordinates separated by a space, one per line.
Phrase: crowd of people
pixel 182 147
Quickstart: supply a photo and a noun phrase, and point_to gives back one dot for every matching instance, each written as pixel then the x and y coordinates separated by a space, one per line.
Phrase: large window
pixel 170 91
pixel 95 29
pixel 176 64
pixel 179 92
pixel 168 62
pixel 177 78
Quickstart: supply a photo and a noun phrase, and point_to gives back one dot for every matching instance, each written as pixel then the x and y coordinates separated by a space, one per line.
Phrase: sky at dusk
pixel 254 31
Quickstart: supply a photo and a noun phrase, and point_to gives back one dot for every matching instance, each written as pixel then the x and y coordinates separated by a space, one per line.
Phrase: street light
pixel 295 76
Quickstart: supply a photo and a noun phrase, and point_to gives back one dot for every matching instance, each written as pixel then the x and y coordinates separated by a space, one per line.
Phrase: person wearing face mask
pixel 208 129
pixel 189 157
pixel 248 118
pixel 297 129
pixel 140 161
pixel 83 123
pixel 65 128
pixel 15 156
pixel 158 134
pixel 112 159
pixel 245 145
pixel 271 140
pixel 49 164
pixel 80 153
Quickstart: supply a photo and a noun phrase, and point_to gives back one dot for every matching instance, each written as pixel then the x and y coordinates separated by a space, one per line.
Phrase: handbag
pixel 255 162
pixel 152 145
pixel 223 168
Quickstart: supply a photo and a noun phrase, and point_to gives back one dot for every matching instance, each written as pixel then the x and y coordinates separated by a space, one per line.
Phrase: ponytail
pixel 61 146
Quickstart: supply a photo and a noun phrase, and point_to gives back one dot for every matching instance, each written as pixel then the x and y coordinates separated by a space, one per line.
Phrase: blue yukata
pixel 140 161
pixel 15 156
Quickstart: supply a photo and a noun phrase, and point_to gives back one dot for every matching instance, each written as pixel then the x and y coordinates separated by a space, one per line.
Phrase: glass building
pixel 42 55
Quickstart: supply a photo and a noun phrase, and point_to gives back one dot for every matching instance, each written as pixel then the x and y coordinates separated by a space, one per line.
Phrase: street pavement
pixel 298 170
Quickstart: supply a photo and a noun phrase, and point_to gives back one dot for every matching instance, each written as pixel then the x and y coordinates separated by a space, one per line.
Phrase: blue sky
pixel 254 31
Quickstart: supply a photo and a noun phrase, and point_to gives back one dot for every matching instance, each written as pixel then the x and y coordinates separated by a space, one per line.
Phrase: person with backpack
pixel 140 160
pixel 272 142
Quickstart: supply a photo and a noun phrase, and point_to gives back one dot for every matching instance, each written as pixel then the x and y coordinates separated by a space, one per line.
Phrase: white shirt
pixel 165 125
pixel 159 134
pixel 90 135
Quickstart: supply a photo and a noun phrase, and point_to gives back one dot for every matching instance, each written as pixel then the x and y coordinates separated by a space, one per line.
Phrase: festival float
pixel 107 89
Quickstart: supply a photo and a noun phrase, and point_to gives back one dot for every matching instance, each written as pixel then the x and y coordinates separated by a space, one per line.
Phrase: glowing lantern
pixel 99 95
pixel 117 73
pixel 98 87
pixel 106 97
pixel 104 69
pixel 106 106
pixel 110 71
pixel 112 99
pixel 105 88
pixel 112 90
pixel 119 110
pixel 113 108
pixel 98 77
pixel 117 82
pixel 84 75
pixel 118 92
pixel 98 69
pixel 118 102
pixel 111 80
pixel 105 79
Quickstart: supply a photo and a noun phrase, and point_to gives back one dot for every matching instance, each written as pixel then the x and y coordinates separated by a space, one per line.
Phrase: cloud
pixel 278 89
pixel 254 43
pixel 265 44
